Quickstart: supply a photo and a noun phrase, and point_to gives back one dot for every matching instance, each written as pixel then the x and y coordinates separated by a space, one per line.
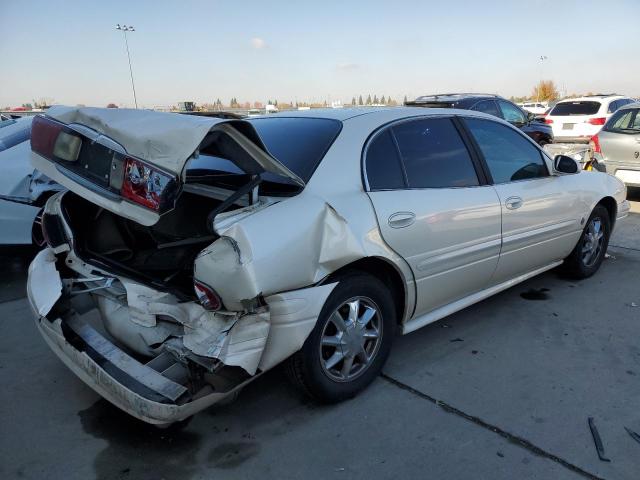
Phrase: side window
pixel 511 113
pixel 434 154
pixel 384 171
pixel 487 106
pixel 622 121
pixel 613 106
pixel 509 155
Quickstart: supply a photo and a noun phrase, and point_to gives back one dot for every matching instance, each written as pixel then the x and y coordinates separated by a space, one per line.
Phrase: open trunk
pixel 161 255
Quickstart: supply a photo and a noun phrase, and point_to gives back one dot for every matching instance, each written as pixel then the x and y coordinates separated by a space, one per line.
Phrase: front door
pixel 541 215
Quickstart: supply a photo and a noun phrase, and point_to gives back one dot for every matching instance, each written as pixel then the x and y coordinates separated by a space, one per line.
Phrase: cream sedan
pixel 192 254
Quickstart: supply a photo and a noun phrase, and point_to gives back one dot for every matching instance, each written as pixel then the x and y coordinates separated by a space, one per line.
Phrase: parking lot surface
pixel 500 390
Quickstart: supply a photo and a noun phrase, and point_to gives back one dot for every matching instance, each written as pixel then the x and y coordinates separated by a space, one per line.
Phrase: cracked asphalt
pixel 500 390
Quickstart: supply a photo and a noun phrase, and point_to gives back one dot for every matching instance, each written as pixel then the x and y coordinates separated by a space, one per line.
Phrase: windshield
pixel 575 108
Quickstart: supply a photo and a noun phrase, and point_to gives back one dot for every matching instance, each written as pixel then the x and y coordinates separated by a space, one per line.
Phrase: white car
pixel 23 191
pixel 576 120
pixel 537 108
pixel 193 254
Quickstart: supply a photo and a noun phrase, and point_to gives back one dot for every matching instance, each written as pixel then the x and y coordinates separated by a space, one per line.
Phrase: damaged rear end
pixel 122 293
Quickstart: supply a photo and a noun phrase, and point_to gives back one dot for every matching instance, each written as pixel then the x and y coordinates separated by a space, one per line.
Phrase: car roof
pixel 340 114
pixel 591 98
pixel 452 97
pixel 385 114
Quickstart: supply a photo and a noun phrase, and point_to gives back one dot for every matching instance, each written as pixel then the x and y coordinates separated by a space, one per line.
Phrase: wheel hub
pixel 350 339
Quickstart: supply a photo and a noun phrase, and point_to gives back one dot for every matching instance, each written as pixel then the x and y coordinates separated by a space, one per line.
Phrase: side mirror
pixel 564 164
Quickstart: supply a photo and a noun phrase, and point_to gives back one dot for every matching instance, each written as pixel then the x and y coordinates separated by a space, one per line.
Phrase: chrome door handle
pixel 513 203
pixel 401 219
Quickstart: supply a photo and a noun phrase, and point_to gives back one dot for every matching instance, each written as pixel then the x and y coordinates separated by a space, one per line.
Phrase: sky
pixel 70 51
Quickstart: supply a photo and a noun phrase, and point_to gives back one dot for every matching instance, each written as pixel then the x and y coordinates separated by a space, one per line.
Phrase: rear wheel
pixel 588 254
pixel 350 343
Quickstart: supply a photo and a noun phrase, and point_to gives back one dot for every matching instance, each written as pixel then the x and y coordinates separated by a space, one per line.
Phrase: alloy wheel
pixel 350 339
pixel 592 242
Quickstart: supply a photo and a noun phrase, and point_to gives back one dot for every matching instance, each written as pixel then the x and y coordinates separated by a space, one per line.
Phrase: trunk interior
pixel 161 256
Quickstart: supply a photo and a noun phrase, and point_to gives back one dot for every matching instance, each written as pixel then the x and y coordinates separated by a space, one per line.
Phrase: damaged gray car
pixel 190 254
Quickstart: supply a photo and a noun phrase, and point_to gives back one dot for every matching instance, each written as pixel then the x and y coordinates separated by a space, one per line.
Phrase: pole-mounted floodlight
pixel 124 29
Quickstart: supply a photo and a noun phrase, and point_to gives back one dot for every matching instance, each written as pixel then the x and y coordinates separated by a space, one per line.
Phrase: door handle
pixel 513 203
pixel 401 219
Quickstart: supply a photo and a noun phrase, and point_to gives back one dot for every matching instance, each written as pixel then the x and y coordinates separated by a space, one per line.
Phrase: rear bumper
pixel 559 138
pixel 92 368
pixel 138 389
pixel 628 173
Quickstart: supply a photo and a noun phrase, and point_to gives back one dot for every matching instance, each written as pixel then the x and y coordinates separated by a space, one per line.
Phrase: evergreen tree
pixel 369 99
pixel 405 99
pixel 353 101
pixel 360 102
pixel 375 99
pixel 383 100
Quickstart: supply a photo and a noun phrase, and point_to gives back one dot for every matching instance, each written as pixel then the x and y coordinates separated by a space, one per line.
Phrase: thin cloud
pixel 258 43
pixel 347 66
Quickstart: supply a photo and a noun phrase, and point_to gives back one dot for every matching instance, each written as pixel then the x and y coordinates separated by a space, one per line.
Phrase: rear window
pixel 297 143
pixel 575 108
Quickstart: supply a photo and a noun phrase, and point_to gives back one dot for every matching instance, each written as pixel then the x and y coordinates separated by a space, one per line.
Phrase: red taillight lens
pixel 44 134
pixel 595 144
pixel 548 120
pixel 207 296
pixel 51 140
pixel 145 185
pixel 597 121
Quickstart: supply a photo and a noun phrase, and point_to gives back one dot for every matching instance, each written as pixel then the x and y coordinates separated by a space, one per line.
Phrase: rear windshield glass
pixel 297 143
pixel 576 108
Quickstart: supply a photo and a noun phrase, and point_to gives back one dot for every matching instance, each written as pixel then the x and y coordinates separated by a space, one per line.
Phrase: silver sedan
pixel 618 144
pixel 192 254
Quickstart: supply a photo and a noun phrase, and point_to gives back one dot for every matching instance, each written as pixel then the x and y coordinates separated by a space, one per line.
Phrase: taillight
pixel 207 296
pixel 548 120
pixel 146 185
pixel 51 140
pixel 595 144
pixel 597 121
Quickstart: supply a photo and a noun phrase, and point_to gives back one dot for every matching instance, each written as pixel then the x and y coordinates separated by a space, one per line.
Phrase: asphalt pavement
pixel 500 390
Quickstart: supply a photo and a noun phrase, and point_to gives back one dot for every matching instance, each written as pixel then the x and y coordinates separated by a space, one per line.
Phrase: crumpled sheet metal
pixel 319 241
pixel 247 340
pixel 165 139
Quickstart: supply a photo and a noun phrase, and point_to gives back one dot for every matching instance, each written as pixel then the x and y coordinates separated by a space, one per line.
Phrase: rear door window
pixel 434 155
pixel 575 108
pixel 613 106
pixel 623 121
pixel 487 106
pixel 509 155
pixel 383 167
pixel 511 113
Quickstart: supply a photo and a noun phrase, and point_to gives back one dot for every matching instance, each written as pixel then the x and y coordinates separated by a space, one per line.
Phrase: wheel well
pixel 385 272
pixel 610 204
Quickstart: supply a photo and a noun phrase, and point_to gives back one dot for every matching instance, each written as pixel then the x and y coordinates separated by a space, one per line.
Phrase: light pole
pixel 542 59
pixel 124 29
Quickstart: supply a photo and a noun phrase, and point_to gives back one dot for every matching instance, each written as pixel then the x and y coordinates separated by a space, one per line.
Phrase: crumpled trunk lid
pixel 163 140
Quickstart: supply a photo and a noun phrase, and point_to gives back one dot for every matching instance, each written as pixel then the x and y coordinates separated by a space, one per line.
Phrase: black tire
pixel 575 265
pixel 307 368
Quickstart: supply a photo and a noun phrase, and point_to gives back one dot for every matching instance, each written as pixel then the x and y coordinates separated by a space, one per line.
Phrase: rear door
pixel 540 213
pixel 620 144
pixel 434 207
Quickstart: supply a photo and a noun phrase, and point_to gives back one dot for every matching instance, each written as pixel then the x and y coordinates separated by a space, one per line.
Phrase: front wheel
pixel 588 254
pixel 350 343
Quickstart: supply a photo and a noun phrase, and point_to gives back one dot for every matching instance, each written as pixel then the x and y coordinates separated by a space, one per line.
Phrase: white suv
pixel 576 120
